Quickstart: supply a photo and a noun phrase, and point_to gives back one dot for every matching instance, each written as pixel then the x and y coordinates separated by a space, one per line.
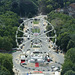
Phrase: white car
pixel 56 69
pixel 52 67
pixel 28 37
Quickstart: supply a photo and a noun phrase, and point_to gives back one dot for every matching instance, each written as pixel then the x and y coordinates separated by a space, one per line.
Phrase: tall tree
pixel 70 72
pixel 27 6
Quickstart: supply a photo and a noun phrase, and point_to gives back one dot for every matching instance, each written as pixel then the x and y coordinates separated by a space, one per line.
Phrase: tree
pixel 1 40
pixel 49 8
pixel 70 72
pixel 4 71
pixel 69 63
pixel 61 3
pixel 15 7
pixel 6 64
pixel 6 44
pixel 26 7
pixel 70 55
pixel 29 15
pixel 9 23
pixel 63 40
pixel 71 44
pixel 49 27
pixel 66 66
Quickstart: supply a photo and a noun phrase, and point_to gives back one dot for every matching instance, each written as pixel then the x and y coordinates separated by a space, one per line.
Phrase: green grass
pixel 36 22
pixel 35 30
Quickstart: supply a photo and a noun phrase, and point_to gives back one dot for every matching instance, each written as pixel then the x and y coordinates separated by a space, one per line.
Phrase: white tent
pixel 57 73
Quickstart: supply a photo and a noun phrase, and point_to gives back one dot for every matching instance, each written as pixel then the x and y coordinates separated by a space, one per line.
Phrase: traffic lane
pixel 44 47
pixel 27 46
pixel 60 58
pixel 44 67
pixel 17 66
pixel 45 44
pixel 35 74
pixel 41 30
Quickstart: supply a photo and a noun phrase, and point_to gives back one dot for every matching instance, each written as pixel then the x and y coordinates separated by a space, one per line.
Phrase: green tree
pixel 49 8
pixel 6 44
pixel 26 7
pixel 6 64
pixel 70 55
pixel 66 66
pixel 29 15
pixel 63 40
pixel 15 7
pixel 70 72
pixel 71 44
pixel 69 63
pixel 1 40
pixel 4 71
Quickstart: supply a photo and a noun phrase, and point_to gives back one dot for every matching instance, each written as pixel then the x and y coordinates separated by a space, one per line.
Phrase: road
pixel 58 59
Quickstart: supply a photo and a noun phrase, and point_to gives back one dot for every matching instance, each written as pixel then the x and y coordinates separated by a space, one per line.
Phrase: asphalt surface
pixel 47 69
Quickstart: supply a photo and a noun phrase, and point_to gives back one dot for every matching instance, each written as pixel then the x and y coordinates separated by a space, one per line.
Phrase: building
pixel 57 73
pixel 71 9
pixel 59 10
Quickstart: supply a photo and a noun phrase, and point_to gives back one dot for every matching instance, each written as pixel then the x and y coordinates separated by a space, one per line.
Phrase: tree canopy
pixel 8 26
pixel 69 63
pixel 47 6
pixel 5 60
pixel 65 28
pixel 10 10
pixel 70 72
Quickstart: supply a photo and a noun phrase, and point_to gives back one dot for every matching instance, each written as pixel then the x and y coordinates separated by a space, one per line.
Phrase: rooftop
pixel 72 5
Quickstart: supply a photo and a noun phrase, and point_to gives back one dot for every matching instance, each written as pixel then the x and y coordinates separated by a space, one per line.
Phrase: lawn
pixel 36 22
pixel 35 30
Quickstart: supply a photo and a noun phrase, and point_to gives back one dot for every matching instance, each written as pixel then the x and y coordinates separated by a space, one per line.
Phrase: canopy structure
pixel 36 64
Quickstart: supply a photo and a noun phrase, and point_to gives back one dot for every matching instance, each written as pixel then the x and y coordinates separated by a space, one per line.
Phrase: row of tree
pixel 8 26
pixel 10 10
pixel 65 27
pixel 9 21
pixel 46 6
pixel 30 8
pixel 68 68
pixel 24 7
pixel 21 7
pixel 6 64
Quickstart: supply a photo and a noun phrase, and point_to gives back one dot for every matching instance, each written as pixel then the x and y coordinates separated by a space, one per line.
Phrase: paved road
pixel 59 57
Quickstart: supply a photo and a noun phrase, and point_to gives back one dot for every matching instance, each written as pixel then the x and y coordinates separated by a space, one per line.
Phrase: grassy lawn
pixel 35 30
pixel 36 22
